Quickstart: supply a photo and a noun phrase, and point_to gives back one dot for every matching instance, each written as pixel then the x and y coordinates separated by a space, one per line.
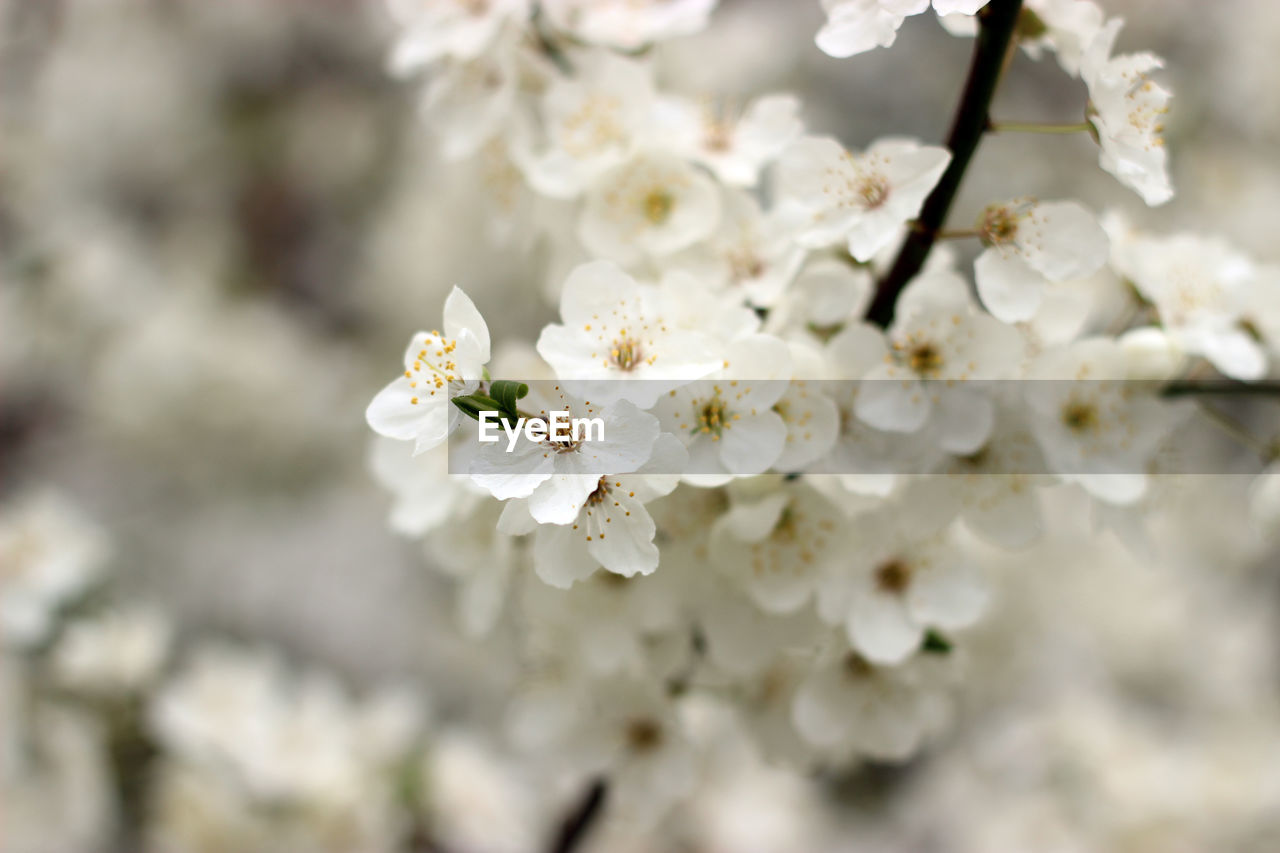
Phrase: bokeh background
pixel 219 221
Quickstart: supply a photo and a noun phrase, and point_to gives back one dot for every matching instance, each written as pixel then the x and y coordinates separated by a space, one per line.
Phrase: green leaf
pixel 472 405
pixel 506 393
pixel 935 643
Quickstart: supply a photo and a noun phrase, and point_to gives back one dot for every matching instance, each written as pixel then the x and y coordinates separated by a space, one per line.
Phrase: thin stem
pixel 1221 388
pixel 1236 430
pixel 1035 127
pixel 997 22
pixel 958 233
pixel 574 830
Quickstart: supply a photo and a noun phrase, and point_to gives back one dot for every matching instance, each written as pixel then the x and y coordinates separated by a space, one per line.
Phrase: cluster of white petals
pixel 792 503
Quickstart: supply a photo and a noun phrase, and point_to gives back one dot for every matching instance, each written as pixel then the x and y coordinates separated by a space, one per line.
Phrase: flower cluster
pixel 713 270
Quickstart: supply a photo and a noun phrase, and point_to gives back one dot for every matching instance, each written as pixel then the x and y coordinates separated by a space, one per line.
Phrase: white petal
pixel 394 414
pixel 1063 241
pixel 965 418
pixel 1008 286
pixel 951 595
pixel 560 555
pixel 753 443
pixel 891 403
pixel 460 313
pixel 880 627
pixel 559 498
pixel 622 537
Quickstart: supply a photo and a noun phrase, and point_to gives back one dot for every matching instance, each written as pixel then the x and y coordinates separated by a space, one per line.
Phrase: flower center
pixel 856 667
pixel 874 191
pixel 658 205
pixel 626 353
pixel 893 577
pixel 924 358
pixel 643 734
pixel 432 368
pixel 999 225
pixel 713 416
pixel 744 265
pixel 1080 417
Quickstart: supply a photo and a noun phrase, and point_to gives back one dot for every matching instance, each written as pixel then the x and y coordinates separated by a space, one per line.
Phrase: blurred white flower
pixel 904 574
pixel 1201 287
pixel 863 200
pixel 735 149
pixel 649 207
pixel 856 26
pixel 49 553
pixel 628 24
pixel 117 652
pixel 461 29
pixel 850 705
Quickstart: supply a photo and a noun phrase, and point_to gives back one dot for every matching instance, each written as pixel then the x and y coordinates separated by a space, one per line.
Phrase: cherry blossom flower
pixel 49 554
pixel 1127 109
pixel 1030 242
pixel 610 529
pixel 734 149
pixel 928 357
pixel 461 29
pixel 903 574
pixel 751 254
pixel 559 473
pixel 1094 426
pixel 848 704
pixel 415 407
pixel 651 206
pixel 616 329
pixel 628 24
pixel 590 123
pixel 856 26
pixel 1201 288
pixel 863 200
pixel 728 422
pixel 780 544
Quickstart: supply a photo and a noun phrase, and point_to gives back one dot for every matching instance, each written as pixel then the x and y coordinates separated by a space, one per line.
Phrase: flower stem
pixel 1236 430
pixel 1221 388
pixel 997 22
pixel 1035 127
pixel 958 233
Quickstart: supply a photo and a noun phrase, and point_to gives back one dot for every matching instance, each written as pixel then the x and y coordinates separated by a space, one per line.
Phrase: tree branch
pixel 574 830
pixel 997 22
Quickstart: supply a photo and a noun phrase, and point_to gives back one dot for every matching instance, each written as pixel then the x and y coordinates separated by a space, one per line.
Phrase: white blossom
pixel 628 24
pixel 734 148
pixel 416 406
pixel 848 704
pixel 649 207
pixel 616 329
pixel 862 200
pixel 1128 111
pixel 461 29
pixel 117 652
pixel 49 554
pixel 1201 288
pixel 904 574
pixel 589 123
pixel 1028 243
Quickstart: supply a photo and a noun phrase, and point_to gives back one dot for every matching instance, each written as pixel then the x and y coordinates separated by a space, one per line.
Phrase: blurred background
pixel 219 222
